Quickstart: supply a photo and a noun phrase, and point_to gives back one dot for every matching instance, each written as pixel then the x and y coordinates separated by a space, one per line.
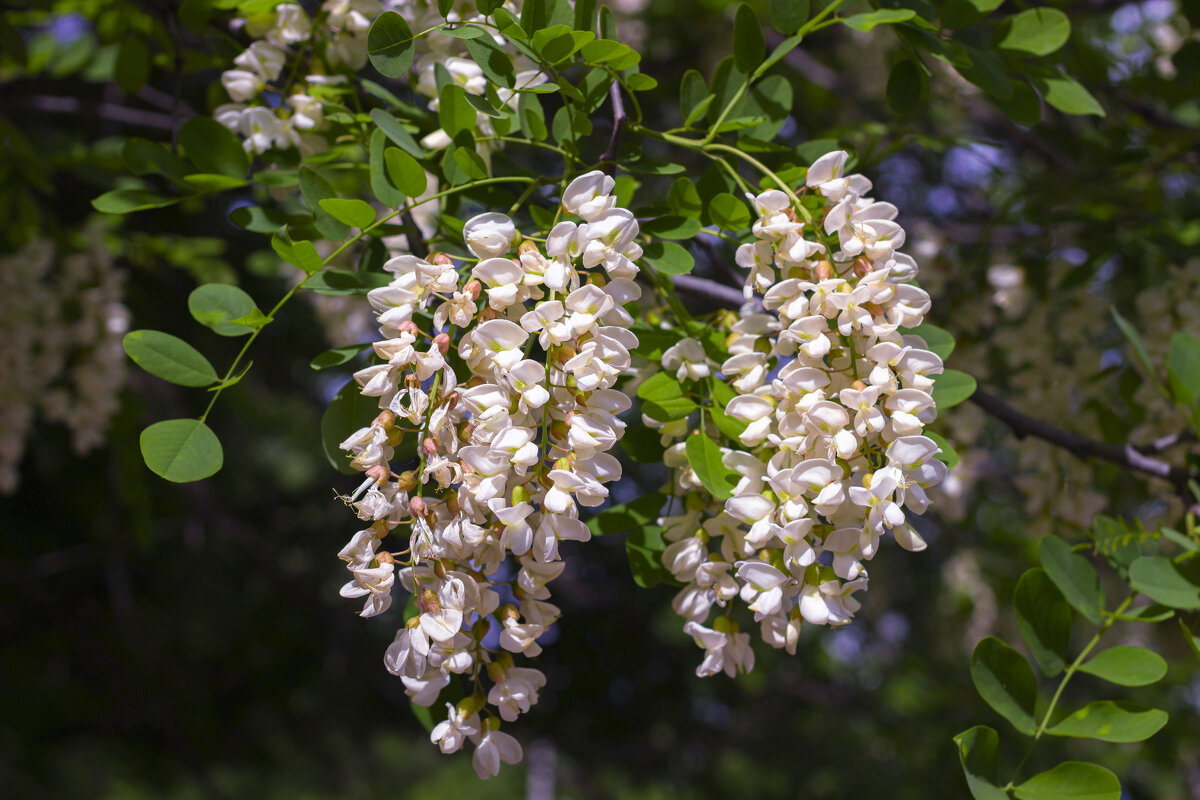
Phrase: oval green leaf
pixel 1005 681
pixel 1127 666
pixel 169 357
pixel 1039 31
pixel 1074 577
pixel 951 388
pixel 977 753
pixel 1112 722
pixel 213 148
pixel 390 44
pixel 213 305
pixel 181 450
pixel 669 258
pixel 705 457
pixel 1044 619
pixel 728 212
pixel 1159 579
pixel 1071 780
pixel 353 212
pixel 405 171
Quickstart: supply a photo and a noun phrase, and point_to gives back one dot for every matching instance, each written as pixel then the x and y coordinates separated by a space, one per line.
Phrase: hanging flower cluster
pixel 504 384
pixel 834 397
pixel 63 319
pixel 284 82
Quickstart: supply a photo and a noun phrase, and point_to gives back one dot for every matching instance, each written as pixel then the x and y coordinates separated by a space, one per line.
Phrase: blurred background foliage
pixel 162 641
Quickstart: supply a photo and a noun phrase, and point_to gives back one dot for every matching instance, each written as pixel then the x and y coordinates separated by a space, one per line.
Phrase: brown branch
pixel 1125 455
pixel 619 118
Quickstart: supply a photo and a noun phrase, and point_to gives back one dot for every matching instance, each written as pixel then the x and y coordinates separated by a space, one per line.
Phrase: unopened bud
pixel 520 495
pixel 471 705
pixel 858 386
pixel 488 314
pixel 861 267
pixel 527 247
pixel 474 288
pixel 824 270
pixel 563 463
pixel 443 566
pixel 413 622
pixel 596 279
pixel 451 500
pixel 395 437
pixel 380 528
pixel 725 625
pixel 441 259
pixel 475 381
pixel 384 557
pixel 385 420
pixel 559 429
pixel 492 723
pixel 418 507
pixel 429 447
pixel 379 472
pixel 564 353
pixel 406 481
pixel 429 603
pixel 408 326
pixel 508 612
pixel 442 340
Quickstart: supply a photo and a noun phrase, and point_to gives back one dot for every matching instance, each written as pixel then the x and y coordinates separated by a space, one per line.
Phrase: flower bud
pixel 596 279
pixel 824 270
pixel 488 314
pixel 471 705
pixel 380 528
pixel 563 463
pixel 451 500
pixel 429 447
pixel 564 353
pixel 474 288
pixel 385 420
pixel 408 326
pixel 379 472
pixel 406 481
pixel 725 625
pixel 520 495
pixel 442 566
pixel 527 246
pixel 418 507
pixel 395 437
pixel 559 429
pixel 429 603
pixel 442 340
pixel 384 557
pixel 861 266
pixel 858 386
pixel 441 259
pixel 508 612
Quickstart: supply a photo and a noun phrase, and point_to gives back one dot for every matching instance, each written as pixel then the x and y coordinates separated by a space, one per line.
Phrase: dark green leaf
pixel 669 258
pixel 344 282
pixel 1126 665
pixel 126 201
pixel 143 157
pixel 455 113
pixel 1112 722
pixel 392 128
pixel 729 213
pixel 938 341
pixel 977 753
pixel 788 15
pixel 1183 368
pixel 1039 31
pixel 350 211
pixel 1068 96
pixel 672 227
pixel 1160 580
pixel 1005 681
pixel 181 450
pixel 704 455
pixel 346 413
pixel 132 67
pixel 951 388
pixel 628 516
pixel 315 188
pixel 905 86
pixel 884 16
pixel 644 547
pixel 749 49
pixel 390 44
pixel 1044 619
pixel 213 305
pixel 385 191
pixel 405 171
pixel 213 148
pixel 1074 577
pixel 168 357
pixel 1071 780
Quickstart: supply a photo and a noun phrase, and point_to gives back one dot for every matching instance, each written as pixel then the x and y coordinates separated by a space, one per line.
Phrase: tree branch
pixel 717 293
pixel 619 118
pixel 1125 455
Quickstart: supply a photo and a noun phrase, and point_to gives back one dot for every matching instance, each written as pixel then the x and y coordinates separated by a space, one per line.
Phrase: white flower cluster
pixel 63 321
pixel 507 451
pixel 834 398
pixel 308 53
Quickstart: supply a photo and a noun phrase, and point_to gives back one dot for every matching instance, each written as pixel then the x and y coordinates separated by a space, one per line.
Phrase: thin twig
pixel 1126 455
pixel 619 118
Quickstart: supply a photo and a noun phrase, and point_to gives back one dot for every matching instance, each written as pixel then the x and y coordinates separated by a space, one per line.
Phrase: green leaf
pixel 698 111
pixel 214 305
pixel 788 15
pixel 385 191
pixel 1039 31
pixel 644 547
pixel 213 148
pixel 181 450
pixel 496 64
pixel 405 171
pixel 1005 681
pixel 1126 665
pixel 948 455
pixel 705 457
pixel 352 212
pixel 951 388
pixel 126 201
pixel 1044 619
pixel 669 258
pixel 346 413
pixel 692 92
pixel 1071 780
pixel 905 86
pixel 168 357
pixel 392 128
pixel 1183 368
pixel 672 227
pixel 301 254
pixel 663 398
pixel 208 182
pixel 1192 639
pixel 315 188
pixel 1022 105
pixel 455 113
pixel 721 395
pixel 390 45
pixel 977 753
pixel 652 341
pixel 684 199
pixel 143 157
pixel 628 516
pixel 749 49
pixel 338 356
pixel 1135 341
pixel 1074 577
pixel 643 445
pixel 262 220
pixel 1111 722
pixel 938 341
pixel 884 16
pixel 345 282
pixel 1160 580
pixel 1068 96
pixel 729 213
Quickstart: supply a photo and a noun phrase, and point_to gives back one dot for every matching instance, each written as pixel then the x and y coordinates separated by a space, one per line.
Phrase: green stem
pixel 1079 659
pixel 329 259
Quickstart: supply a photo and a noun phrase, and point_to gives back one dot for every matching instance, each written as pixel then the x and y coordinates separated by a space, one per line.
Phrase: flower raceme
pixel 831 397
pixel 508 448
